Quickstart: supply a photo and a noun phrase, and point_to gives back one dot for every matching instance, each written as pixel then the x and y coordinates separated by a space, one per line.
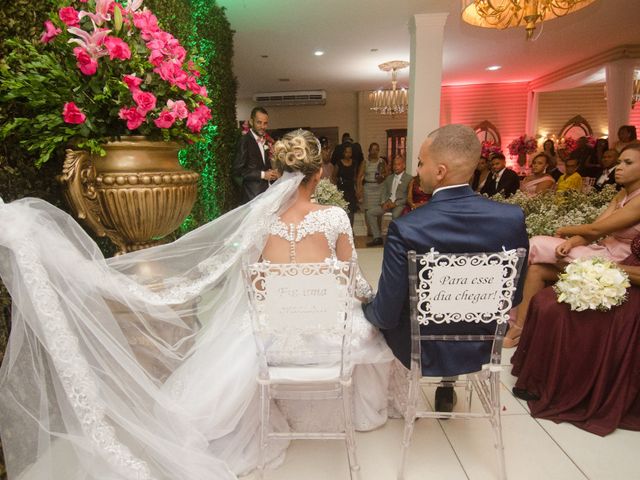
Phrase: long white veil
pixel 136 367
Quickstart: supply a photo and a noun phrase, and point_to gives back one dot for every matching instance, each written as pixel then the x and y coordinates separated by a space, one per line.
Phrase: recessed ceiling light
pixel 318 53
pixel 493 68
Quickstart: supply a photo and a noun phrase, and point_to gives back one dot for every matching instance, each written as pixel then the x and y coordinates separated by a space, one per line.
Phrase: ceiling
pixel 289 31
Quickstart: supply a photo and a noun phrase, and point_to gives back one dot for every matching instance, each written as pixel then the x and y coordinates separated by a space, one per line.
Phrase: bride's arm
pixel 345 251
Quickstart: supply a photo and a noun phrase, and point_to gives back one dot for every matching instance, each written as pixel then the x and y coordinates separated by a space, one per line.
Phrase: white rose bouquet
pixel 328 194
pixel 592 284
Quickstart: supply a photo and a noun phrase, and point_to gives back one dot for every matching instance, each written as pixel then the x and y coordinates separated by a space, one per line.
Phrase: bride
pixel 143 366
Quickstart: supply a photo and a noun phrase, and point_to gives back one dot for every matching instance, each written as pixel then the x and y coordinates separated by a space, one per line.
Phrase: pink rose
pixel 50 32
pixel 132 82
pixel 146 22
pixel 146 101
pixel 198 118
pixel 72 114
pixel 165 120
pixel 133 116
pixel 195 123
pixel 179 109
pixel 203 111
pixel 156 57
pixel 69 16
pixel 172 73
pixel 117 48
pixel 86 64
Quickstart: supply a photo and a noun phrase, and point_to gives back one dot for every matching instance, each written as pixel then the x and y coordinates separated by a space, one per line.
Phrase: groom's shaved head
pixel 456 146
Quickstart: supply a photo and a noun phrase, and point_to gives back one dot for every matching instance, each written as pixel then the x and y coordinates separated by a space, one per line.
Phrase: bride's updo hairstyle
pixel 298 151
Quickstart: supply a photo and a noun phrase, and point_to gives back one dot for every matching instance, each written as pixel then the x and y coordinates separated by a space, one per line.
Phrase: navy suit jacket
pixel 455 220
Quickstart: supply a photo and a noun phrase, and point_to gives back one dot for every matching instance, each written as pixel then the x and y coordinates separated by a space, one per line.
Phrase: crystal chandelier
pixel 514 13
pixel 394 101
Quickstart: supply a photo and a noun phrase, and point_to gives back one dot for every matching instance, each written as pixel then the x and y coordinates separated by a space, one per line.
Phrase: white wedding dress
pixel 143 366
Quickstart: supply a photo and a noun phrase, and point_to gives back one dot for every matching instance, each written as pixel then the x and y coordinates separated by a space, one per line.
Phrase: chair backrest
pixel 302 313
pixel 462 287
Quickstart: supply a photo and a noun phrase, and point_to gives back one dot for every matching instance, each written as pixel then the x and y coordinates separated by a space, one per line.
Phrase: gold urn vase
pixel 135 195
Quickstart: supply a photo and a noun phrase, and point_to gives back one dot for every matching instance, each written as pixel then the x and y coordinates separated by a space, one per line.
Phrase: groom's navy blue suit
pixel 455 220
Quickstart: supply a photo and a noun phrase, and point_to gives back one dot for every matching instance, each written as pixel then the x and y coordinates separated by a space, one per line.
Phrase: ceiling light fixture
pixel 503 14
pixel 394 101
pixel 318 53
pixel 493 68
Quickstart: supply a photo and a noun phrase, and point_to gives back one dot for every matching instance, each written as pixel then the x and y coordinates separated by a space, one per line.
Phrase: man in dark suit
pixel 503 180
pixel 609 162
pixel 455 220
pixel 252 166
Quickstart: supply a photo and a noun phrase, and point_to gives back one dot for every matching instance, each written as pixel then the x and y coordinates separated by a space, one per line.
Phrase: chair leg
pixel 264 430
pixel 349 430
pixel 409 422
pixel 496 423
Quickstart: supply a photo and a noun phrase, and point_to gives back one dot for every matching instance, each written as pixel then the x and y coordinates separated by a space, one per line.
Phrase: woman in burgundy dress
pixel 583 367
pixel 416 197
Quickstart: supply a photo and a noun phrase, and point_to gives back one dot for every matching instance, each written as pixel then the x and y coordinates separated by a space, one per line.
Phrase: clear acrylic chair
pixel 302 315
pixel 438 283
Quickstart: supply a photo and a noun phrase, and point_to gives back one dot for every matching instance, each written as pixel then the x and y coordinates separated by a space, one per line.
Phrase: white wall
pixel 557 108
pixel 341 110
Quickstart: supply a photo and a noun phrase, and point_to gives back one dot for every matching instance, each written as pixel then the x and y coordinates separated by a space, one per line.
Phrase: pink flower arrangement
pixel 591 141
pixel 489 147
pixel 127 75
pixel 568 144
pixel 522 145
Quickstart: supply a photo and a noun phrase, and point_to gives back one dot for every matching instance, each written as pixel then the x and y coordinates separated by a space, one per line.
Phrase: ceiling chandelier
pixel 394 101
pixel 514 13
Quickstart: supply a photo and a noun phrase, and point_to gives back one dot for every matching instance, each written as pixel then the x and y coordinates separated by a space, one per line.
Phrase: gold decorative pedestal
pixel 135 195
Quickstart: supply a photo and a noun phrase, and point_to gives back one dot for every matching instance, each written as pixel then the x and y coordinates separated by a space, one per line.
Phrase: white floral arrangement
pixel 328 194
pixel 592 284
pixel 547 212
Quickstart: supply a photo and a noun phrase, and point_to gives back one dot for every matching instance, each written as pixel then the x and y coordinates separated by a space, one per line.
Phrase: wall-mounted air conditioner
pixel 301 97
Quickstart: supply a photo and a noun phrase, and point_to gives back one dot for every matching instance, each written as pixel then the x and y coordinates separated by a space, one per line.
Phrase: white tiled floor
pixel 463 449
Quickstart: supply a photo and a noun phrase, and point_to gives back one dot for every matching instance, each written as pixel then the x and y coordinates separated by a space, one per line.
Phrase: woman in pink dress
pixel 614 230
pixel 539 181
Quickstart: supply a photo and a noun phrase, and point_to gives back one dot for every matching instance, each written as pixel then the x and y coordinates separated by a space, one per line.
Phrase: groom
pixel 455 220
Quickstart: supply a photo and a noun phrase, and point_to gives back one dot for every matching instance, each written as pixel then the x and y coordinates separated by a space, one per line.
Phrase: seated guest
pixel 416 197
pixel 602 145
pixel 539 181
pixel 609 163
pixel 582 367
pixel 549 147
pixel 481 174
pixel 627 135
pixel 503 181
pixel 455 220
pixel 393 198
pixel 570 179
pixel 614 229
pixel 588 165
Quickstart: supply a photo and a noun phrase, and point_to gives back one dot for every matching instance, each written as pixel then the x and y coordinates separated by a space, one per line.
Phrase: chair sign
pixel 295 300
pixel 468 287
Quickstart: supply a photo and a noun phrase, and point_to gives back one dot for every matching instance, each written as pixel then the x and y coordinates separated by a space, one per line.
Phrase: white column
pixel 531 126
pixel 425 80
pixel 619 76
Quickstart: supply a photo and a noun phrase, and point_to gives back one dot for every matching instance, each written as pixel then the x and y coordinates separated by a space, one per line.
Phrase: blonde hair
pixel 298 151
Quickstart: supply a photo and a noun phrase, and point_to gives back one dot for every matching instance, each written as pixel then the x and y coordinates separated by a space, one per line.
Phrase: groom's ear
pixel 441 171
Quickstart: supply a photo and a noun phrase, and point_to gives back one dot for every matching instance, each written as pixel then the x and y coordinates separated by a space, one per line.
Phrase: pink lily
pixel 93 43
pixel 102 12
pixel 133 5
